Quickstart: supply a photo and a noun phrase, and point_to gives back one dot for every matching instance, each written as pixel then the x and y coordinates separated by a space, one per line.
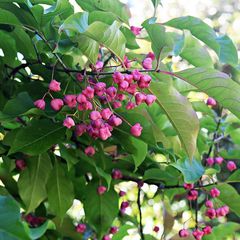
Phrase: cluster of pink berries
pixel 214 213
pixel 231 166
pixel 210 212
pixel 81 228
pixel 32 220
pixel 102 120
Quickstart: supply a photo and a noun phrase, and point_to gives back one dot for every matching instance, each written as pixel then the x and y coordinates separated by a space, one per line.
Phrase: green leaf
pixel 162 42
pixel 235 177
pixel 223 46
pixel 114 6
pixel 76 23
pixel 233 201
pixel 19 105
pixel 180 113
pixel 59 190
pixel 7 17
pixel 10 218
pixel 168 175
pixel 69 155
pixel 122 232
pixel 62 9
pixel 191 170
pixel 156 2
pixel 131 42
pixel 195 53
pixel 216 84
pixel 137 148
pixel 32 181
pixel 37 137
pixel 100 210
pixel 110 36
pixel 38 232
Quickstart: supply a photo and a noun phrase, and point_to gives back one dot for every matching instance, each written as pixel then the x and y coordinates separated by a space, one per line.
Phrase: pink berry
pixel 122 193
pixel 68 122
pixel 144 81
pixel 115 121
pixel 79 77
pixel 88 92
pixel 136 130
pixel 231 166
pixel 126 62
pixel 198 234
pixel 218 160
pixel 123 85
pixel 220 212
pixel 94 115
pixel 156 229
pixel 211 102
pixel 150 99
pixel 81 98
pixel 106 113
pixel 151 55
pixel 104 133
pixel 101 190
pixel 117 174
pixel 70 100
pixel 214 192
pixel 40 104
pixel 211 213
pixel 135 30
pixel 81 228
pixel 124 205
pixel 192 195
pixel 140 98
pixel 80 129
pixel 20 164
pixel 147 63
pixel 113 230
pixel 106 237
pixel 111 91
pixel 90 151
pixel 118 77
pixel 117 104
pixel 136 75
pixel 54 86
pixel 188 185
pixel 130 105
pixel 209 204
pixel 207 230
pixel 210 161
pixel 56 104
pixel 99 65
pixel 183 233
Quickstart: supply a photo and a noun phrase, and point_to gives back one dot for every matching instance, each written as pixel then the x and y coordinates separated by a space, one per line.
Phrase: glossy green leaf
pixel 235 177
pixel 168 175
pixel 180 113
pixel 113 6
pixel 122 232
pixel 223 45
pixel 131 42
pixel 137 148
pixel 38 232
pixel 32 181
pixel 100 209
pixel 195 53
pixel 19 105
pixel 162 42
pixel 6 17
pixel 59 190
pixel 191 170
pixel 37 137
pixel 10 219
pixel 216 84
pixel 110 36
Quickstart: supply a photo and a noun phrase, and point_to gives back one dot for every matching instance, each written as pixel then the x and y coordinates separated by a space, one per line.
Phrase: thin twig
pixel 140 213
